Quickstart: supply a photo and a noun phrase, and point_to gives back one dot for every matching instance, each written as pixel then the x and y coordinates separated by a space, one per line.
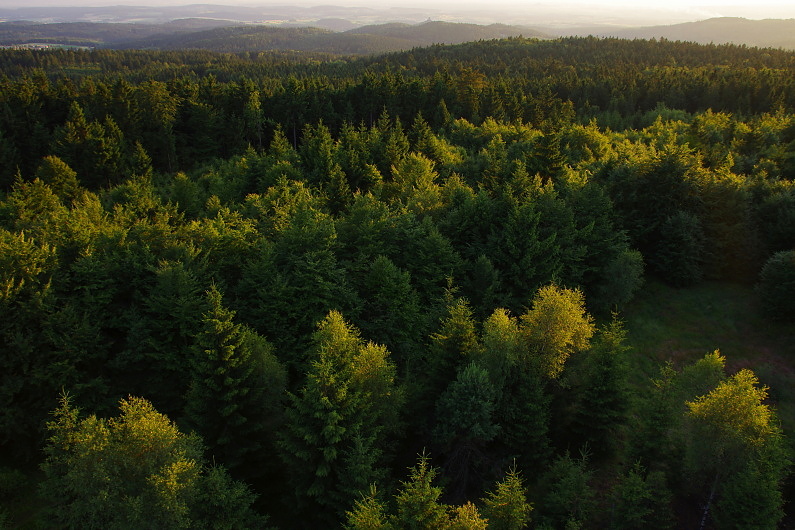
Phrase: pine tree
pixel 418 506
pixel 641 500
pixel 603 399
pixel 465 422
pixel 506 507
pixel 369 513
pixel 567 500
pixel 455 341
pixel 339 426
pixel 226 403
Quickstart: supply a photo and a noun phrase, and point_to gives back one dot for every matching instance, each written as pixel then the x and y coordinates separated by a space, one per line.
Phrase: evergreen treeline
pixel 382 293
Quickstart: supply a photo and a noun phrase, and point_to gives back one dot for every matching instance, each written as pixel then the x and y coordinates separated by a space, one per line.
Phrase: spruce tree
pixel 506 507
pixel 418 500
pixel 603 398
pixel 225 402
pixel 339 427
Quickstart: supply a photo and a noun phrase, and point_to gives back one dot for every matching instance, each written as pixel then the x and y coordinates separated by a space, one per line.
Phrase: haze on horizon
pixel 548 12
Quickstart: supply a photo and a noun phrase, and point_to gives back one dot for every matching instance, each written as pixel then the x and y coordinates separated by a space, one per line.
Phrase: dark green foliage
pixel 464 411
pixel 603 396
pixel 465 422
pixel 567 498
pixel 93 149
pixel 133 180
pixel 392 310
pixel 680 255
pixel 524 416
pixel 776 286
pixel 642 500
pixel 622 277
pixel 226 403
pixel 455 340
pixel 752 496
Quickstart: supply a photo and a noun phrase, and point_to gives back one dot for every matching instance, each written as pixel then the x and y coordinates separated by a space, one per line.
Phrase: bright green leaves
pixel 136 469
pixel 734 412
pixel 556 326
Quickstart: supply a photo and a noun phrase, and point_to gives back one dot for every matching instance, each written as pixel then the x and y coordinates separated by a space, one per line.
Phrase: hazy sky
pixel 638 12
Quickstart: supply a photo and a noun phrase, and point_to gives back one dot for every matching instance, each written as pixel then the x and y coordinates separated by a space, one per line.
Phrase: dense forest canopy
pixel 386 292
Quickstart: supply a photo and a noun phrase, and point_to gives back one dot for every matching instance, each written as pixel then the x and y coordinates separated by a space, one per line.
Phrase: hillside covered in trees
pixel 252 290
pixel 232 37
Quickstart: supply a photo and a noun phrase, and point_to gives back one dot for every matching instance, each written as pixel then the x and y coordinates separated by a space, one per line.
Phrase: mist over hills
pixel 334 29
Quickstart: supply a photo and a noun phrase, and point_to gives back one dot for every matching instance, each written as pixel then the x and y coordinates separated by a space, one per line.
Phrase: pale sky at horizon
pixel 680 10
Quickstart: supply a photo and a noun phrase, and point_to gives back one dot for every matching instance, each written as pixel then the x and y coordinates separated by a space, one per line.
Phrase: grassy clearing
pixel 682 325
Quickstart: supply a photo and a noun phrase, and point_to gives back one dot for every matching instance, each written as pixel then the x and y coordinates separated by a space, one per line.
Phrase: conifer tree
pixel 339 426
pixel 465 423
pixel 418 505
pixel 226 402
pixel 455 341
pixel 506 507
pixel 369 513
pixel 603 398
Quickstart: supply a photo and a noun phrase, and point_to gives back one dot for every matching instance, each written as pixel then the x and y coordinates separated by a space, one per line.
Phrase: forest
pixel 285 290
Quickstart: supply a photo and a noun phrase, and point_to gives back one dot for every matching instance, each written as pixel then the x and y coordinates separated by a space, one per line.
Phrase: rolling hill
pixel 761 33
pixel 219 35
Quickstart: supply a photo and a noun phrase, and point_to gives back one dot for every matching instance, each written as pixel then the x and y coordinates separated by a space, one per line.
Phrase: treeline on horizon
pixel 320 269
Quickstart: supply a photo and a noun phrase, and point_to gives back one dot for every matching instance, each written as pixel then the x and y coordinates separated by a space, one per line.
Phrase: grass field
pixel 682 325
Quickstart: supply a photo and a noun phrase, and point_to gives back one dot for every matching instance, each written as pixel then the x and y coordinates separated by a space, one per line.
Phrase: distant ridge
pixel 770 33
pixel 222 36
pixel 434 32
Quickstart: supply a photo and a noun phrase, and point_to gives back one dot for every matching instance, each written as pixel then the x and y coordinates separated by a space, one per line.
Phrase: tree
pixel 465 422
pixel 226 402
pixel 522 410
pixel 450 347
pixel 418 505
pixel 136 470
pixel 467 517
pixel 568 499
pixel 733 449
pixel 59 177
pixel 339 426
pixel 603 397
pixel 93 149
pixel 555 327
pixel 392 311
pixel 680 255
pixel 641 500
pixel 27 268
pixel 776 286
pixel 506 507
pixel 369 513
